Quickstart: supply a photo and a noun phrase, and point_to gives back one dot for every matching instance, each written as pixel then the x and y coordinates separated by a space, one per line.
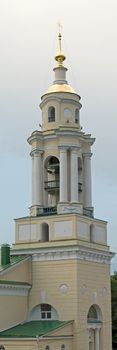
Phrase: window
pixel 45 311
pixel 51 114
pixel 44 236
pixel 63 347
pixel 47 347
pixel 92 228
pixel 76 115
pixel 2 347
pixel 92 314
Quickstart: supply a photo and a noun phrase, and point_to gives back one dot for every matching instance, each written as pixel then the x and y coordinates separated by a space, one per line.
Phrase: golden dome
pixel 60 88
pixel 60 84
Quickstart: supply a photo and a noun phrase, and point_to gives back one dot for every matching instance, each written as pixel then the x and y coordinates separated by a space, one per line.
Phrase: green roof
pixel 32 329
pixel 14 259
pixel 16 283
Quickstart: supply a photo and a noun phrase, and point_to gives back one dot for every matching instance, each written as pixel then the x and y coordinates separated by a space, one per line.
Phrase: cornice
pixel 36 152
pixel 70 253
pixel 49 98
pixel 69 133
pixel 42 337
pixel 36 135
pixel 14 289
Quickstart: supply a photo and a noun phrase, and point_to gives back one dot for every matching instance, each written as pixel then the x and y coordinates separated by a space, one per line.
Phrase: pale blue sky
pixel 28 43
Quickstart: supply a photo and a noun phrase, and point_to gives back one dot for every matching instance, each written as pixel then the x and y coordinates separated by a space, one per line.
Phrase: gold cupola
pixel 60 83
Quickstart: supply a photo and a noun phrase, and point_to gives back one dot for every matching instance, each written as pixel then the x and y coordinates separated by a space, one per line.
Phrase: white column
pixel 74 174
pixel 97 338
pixel 63 174
pixel 36 177
pixel 87 180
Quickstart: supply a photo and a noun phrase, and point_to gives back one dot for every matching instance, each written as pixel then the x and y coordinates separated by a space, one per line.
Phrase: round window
pixel 67 113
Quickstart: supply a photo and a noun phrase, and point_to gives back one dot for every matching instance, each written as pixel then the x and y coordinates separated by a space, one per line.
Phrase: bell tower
pixel 61 151
pixel 67 245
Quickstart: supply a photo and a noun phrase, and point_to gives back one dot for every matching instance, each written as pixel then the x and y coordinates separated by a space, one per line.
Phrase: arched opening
pixel 80 180
pixel 47 347
pixel 51 114
pixel 76 115
pixel 92 314
pixel 92 227
pixel 52 181
pixel 63 347
pixel 94 325
pixel 44 237
pixel 2 347
pixel 43 312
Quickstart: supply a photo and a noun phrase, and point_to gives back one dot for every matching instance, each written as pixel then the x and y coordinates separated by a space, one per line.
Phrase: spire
pixel 60 83
pixel 60 57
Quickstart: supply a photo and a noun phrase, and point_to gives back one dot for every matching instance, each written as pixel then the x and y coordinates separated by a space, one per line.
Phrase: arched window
pixel 92 314
pixel 51 177
pixel 43 312
pixel 92 233
pixel 94 325
pixel 51 114
pixel 47 347
pixel 76 115
pixel 63 347
pixel 44 237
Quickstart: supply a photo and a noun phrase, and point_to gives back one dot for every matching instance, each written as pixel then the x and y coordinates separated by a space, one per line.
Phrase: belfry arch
pixel 94 326
pixel 80 179
pixel 51 181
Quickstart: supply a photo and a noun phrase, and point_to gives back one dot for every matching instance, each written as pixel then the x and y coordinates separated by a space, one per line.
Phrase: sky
pixel 28 44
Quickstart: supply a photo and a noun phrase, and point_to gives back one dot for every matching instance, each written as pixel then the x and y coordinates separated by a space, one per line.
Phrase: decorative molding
pixel 11 290
pixel 44 337
pixel 73 255
pixel 69 253
pixel 63 288
pixel 36 152
pixel 36 135
pixel 87 154
pixel 74 208
pixel 94 326
pixel 84 289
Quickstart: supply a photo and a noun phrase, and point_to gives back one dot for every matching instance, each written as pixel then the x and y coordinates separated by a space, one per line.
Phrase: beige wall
pixel 49 276
pixel 13 310
pixel 80 229
pixel 20 272
pixel 95 278
pixel 55 344
pixel 88 283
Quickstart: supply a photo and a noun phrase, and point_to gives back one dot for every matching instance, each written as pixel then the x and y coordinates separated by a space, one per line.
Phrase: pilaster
pixel 36 155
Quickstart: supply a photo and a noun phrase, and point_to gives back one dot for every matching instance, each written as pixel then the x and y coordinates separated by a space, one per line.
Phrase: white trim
pixel 69 253
pixel 94 326
pixel 40 338
pixel 17 290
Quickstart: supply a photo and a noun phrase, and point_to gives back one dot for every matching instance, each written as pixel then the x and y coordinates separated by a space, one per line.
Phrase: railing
pixel 51 185
pixel 80 187
pixel 88 212
pixel 46 211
